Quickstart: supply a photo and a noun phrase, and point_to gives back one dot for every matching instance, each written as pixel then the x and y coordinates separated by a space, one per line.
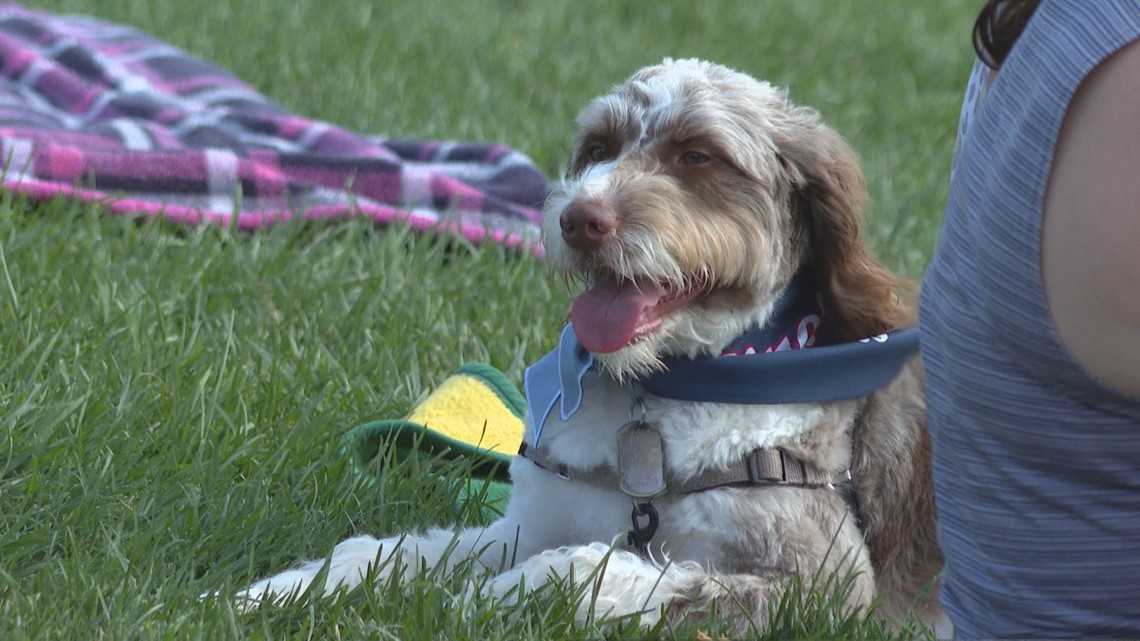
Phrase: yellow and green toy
pixel 475 415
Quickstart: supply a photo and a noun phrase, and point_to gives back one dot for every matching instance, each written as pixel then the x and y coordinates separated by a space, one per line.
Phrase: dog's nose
pixel 588 226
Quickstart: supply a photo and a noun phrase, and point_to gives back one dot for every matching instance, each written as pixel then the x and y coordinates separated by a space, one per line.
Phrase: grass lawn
pixel 171 399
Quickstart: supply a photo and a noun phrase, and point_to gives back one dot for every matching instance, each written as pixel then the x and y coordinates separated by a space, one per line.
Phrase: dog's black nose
pixel 588 226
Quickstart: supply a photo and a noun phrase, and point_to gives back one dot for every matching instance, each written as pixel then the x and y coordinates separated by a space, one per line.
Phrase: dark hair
pixel 998 26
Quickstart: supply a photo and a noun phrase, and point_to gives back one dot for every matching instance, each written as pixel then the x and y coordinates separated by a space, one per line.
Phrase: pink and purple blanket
pixel 100 112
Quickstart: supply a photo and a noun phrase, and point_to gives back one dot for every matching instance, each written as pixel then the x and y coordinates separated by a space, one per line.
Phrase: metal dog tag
pixel 641 460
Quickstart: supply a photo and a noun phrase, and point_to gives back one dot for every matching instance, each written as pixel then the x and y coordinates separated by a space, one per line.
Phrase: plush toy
pixel 474 415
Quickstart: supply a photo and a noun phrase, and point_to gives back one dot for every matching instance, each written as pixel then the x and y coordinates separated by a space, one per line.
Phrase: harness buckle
pixel 772 472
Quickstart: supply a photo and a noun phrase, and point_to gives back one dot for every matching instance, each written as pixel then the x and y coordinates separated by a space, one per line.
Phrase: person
pixel 1030 326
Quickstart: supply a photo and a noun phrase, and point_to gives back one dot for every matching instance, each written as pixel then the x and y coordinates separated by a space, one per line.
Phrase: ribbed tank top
pixel 1036 463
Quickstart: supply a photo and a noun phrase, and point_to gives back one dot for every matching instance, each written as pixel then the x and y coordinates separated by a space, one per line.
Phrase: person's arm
pixel 1091 232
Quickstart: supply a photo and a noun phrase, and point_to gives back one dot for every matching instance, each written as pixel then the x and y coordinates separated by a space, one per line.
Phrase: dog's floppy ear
pixel 828 195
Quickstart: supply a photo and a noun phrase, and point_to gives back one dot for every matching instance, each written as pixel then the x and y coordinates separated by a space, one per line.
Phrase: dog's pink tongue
pixel 608 315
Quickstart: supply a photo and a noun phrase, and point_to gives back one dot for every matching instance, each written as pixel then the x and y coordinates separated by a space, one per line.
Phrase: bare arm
pixel 1091 232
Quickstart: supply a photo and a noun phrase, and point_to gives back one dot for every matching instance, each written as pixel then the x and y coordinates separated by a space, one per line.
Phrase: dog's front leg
pixel 354 559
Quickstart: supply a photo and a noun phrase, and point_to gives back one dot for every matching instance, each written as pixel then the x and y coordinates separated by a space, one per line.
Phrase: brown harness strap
pixel 762 466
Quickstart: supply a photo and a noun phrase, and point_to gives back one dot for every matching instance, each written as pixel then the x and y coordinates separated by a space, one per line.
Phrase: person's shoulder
pixel 1111 14
pixel 1091 227
pixel 1081 28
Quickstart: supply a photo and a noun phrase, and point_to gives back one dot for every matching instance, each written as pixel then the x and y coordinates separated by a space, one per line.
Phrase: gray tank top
pixel 1036 464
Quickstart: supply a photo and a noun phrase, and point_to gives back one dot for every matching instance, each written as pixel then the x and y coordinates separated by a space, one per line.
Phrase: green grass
pixel 171 399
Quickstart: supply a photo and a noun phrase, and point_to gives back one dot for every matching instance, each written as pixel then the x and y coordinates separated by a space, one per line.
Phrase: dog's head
pixel 693 196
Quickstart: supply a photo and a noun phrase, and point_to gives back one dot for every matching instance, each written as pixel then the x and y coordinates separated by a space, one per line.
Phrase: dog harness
pixel 787 360
pixel 642 476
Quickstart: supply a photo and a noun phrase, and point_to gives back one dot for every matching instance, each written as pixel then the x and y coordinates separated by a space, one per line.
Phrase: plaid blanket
pixel 100 112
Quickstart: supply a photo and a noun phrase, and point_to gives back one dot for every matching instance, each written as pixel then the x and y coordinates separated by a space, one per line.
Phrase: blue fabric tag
pixel 556 376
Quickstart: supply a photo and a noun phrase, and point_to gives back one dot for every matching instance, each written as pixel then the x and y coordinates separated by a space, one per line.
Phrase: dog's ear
pixel 828 195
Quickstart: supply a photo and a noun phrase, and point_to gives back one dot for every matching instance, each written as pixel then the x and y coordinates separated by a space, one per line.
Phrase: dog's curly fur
pixel 712 187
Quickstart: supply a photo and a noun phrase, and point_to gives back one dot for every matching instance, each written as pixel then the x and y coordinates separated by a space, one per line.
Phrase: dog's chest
pixel 555 512
pixel 696 438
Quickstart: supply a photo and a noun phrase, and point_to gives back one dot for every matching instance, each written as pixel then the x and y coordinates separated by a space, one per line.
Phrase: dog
pixel 697 198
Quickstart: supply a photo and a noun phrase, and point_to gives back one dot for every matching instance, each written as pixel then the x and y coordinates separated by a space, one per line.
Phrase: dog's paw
pixel 577 564
pixel 352 560
pixel 280 588
pixel 627 584
pixel 611 583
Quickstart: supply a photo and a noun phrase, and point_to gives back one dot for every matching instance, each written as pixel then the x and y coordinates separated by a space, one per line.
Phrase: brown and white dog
pixel 693 197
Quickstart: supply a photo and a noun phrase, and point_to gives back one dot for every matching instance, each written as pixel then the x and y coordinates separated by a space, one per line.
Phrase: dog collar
pixel 787 360
pixel 822 374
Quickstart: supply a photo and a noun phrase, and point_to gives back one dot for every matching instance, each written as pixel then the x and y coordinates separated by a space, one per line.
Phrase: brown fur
pixel 829 202
pixel 895 492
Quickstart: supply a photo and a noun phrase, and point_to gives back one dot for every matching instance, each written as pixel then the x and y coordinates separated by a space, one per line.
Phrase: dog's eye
pixel 597 152
pixel 694 158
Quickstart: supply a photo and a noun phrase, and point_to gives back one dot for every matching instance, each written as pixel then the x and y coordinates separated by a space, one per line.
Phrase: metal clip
pixel 639 536
pixel 638 407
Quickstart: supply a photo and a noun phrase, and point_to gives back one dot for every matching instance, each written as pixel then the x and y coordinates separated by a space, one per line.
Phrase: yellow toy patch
pixel 465 409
